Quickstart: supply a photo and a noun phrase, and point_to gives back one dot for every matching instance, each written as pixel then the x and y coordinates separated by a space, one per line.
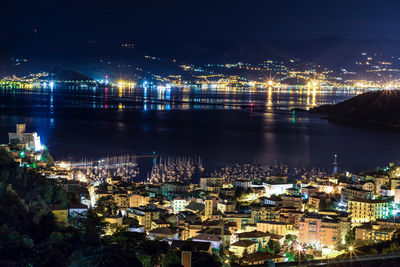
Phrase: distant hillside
pixel 328 50
pixel 94 57
pixel 69 75
pixel 380 108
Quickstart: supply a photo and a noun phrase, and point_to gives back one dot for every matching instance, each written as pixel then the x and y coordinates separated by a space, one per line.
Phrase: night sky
pixel 203 20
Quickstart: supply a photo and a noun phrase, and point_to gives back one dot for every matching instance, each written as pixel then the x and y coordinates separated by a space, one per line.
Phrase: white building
pixel 276 189
pixel 179 204
pixel 26 140
pixel 397 195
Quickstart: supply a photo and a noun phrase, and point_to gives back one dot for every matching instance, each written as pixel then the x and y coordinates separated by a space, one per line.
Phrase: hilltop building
pixel 25 140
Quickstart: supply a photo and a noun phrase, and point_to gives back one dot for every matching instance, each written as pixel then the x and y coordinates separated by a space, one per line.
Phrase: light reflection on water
pixel 220 125
pixel 191 97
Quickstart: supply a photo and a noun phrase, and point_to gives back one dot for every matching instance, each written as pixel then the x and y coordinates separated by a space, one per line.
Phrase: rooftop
pixel 253 234
pixel 243 243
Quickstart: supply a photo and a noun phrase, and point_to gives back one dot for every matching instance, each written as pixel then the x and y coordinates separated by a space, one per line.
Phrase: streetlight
pixel 351 249
pixel 299 249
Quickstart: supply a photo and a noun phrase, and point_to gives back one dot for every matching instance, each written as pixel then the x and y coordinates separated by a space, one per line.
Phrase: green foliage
pixel 245 253
pixel 290 255
pixel 107 207
pixel 323 205
pixel 273 247
pixel 172 258
pixel 130 222
pixel 350 236
pixel 103 256
pixel 94 226
pixel 200 259
pixel 290 238
pixel 46 157
pixel 29 235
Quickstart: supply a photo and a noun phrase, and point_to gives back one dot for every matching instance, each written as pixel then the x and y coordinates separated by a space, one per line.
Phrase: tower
pixel 335 165
pixel 208 209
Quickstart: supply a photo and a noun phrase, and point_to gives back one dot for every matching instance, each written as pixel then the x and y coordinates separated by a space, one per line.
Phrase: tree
pixel 260 247
pixel 350 236
pixel 245 253
pixel 290 238
pixel 172 258
pixel 103 256
pixel 273 247
pixel 323 205
pixel 94 226
pixel 107 207
pixel 200 259
pixel 130 222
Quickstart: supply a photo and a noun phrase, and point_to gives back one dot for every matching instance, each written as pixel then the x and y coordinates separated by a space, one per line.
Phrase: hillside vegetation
pixel 381 108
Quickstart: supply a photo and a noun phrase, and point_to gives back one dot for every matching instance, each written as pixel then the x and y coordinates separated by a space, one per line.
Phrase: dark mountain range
pixel 330 51
pixel 379 108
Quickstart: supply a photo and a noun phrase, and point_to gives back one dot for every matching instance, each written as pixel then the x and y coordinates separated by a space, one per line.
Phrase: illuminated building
pixel 240 246
pixel 24 139
pixel 241 219
pixel 292 202
pixel 263 213
pixel 349 193
pixel 314 202
pixel 60 214
pixel 271 201
pixel 226 206
pixel 211 181
pixel 137 200
pixel 368 186
pixel 243 183
pixel 367 210
pixel 322 230
pixel 276 189
pixel 179 204
pixel 119 196
pixel 397 195
pixel 208 209
pixel 190 230
pixel 214 236
pixel 256 236
pixel 290 216
pixel 277 228
pixel 145 216
pixel 394 183
pixel 172 189
pixel 374 232
pixel 308 191
pixel 163 233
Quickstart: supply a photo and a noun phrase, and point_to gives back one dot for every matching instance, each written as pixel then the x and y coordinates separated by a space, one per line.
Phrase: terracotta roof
pixel 254 234
pixel 160 221
pixel 164 231
pixel 207 237
pixel 243 243
pixel 195 206
pixel 276 237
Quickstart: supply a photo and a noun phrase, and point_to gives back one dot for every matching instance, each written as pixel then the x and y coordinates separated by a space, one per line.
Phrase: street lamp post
pixel 351 249
pixel 299 249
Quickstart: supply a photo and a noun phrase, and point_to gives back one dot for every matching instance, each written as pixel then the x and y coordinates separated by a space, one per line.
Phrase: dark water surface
pixel 220 126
